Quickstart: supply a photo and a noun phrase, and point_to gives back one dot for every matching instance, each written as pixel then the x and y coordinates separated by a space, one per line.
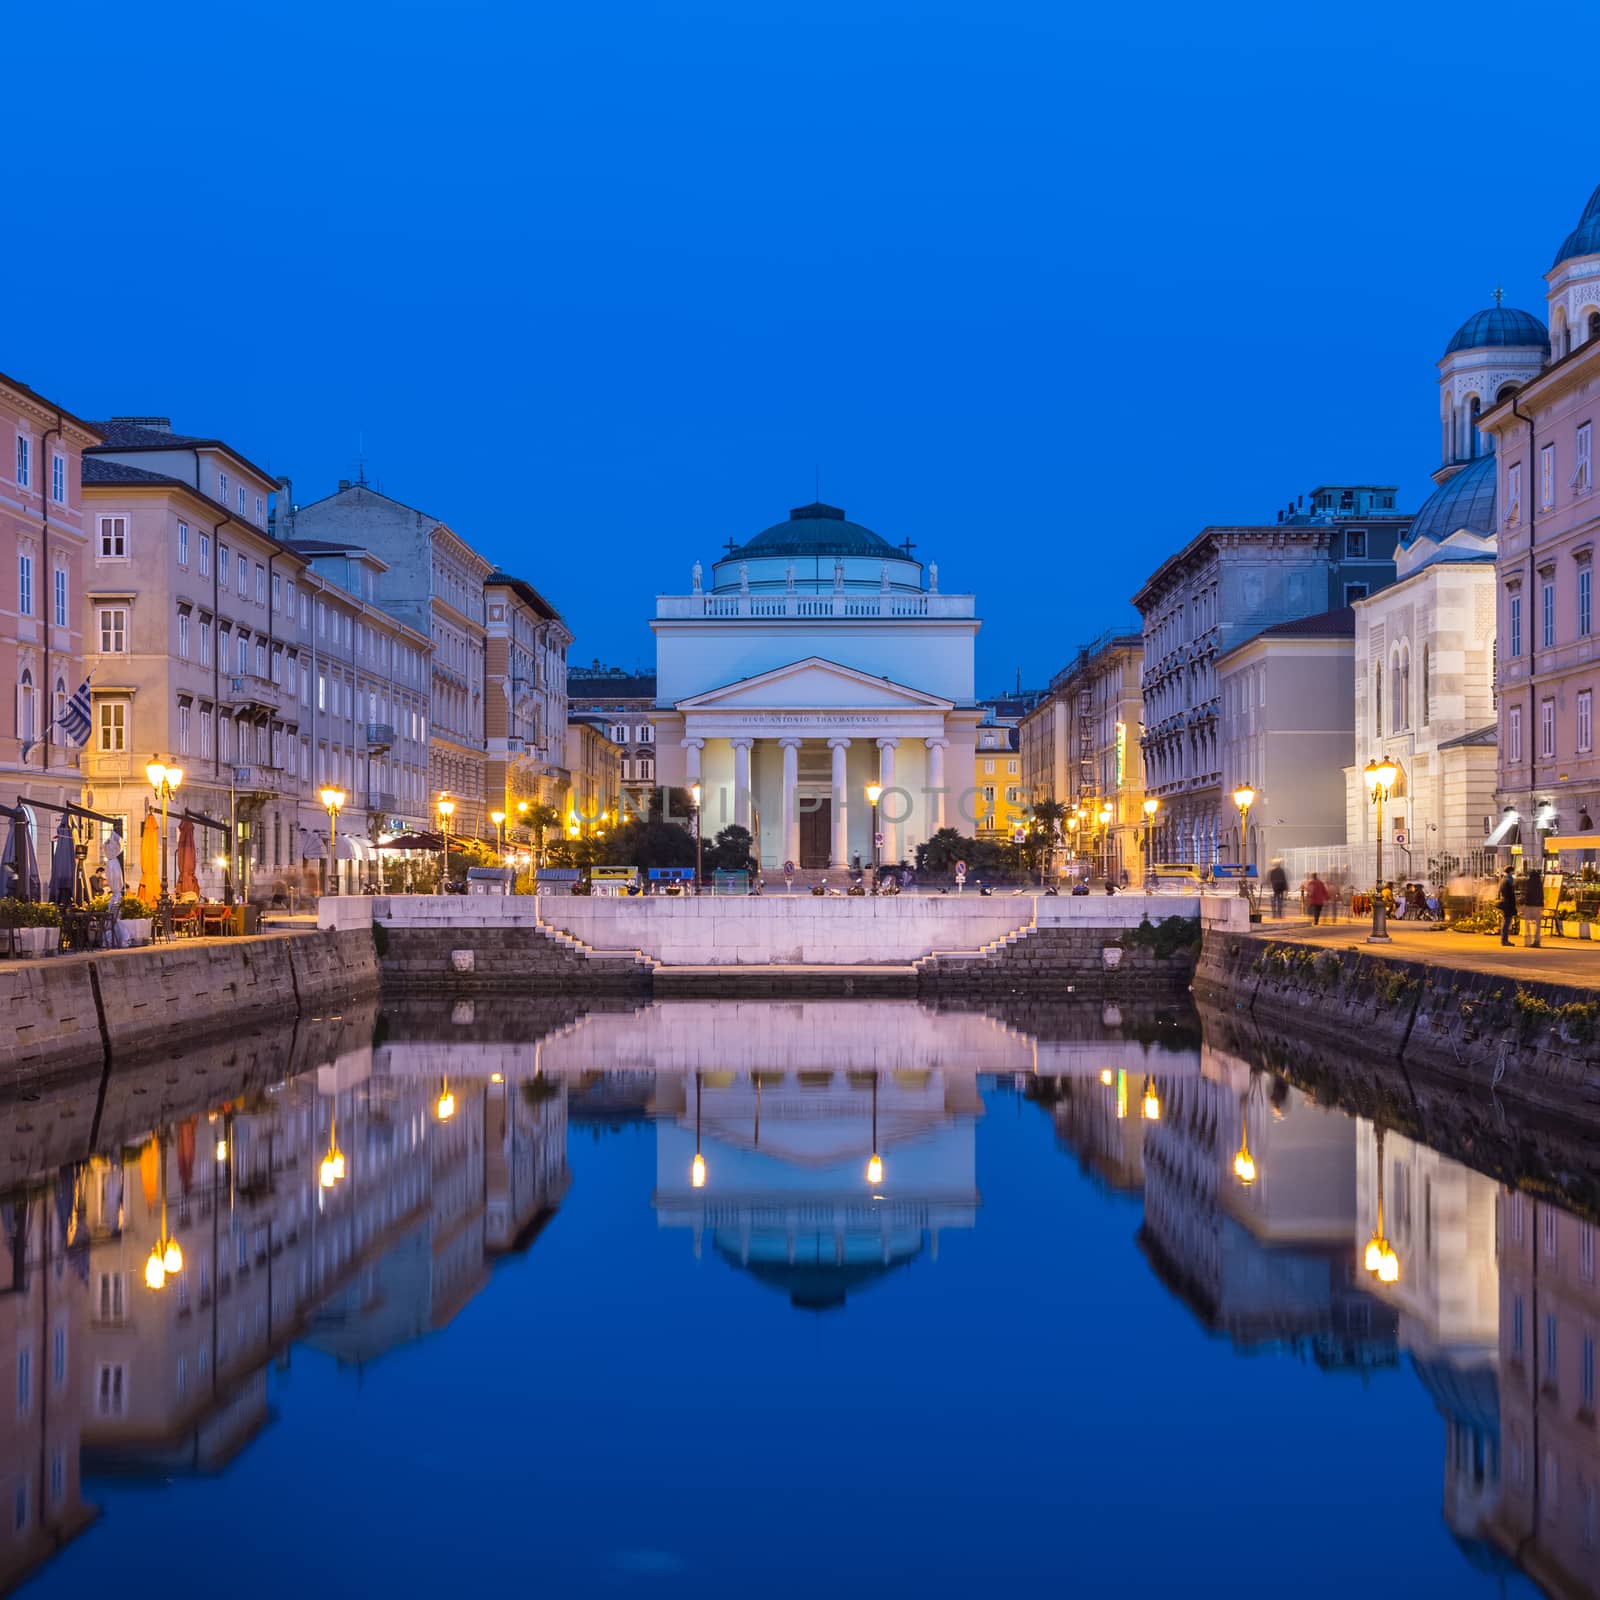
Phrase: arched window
pixel 1402 717
pixel 1427 686
pixel 1474 408
pixel 1560 342
pixel 1377 699
pixel 27 710
pixel 1594 324
pixel 1505 392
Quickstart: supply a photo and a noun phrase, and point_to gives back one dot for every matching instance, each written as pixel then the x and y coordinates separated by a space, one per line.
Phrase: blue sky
pixel 604 285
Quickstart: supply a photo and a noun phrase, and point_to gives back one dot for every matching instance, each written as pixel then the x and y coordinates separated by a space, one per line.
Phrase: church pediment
pixel 815 684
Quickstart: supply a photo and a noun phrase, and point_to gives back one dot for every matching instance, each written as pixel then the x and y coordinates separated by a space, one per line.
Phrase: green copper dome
pixel 818 530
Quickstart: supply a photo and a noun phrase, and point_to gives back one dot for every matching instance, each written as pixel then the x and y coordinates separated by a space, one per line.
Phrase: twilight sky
pixel 604 284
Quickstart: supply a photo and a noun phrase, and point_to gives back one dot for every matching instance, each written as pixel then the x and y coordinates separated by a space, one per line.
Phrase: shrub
pixel 133 908
pixel 28 914
pixel 1165 938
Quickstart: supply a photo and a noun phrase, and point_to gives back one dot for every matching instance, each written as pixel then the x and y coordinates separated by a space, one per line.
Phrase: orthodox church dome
pixel 819 530
pixel 1464 502
pixel 1584 240
pixel 1502 326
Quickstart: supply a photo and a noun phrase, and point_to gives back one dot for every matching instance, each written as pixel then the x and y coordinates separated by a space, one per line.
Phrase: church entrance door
pixel 816 833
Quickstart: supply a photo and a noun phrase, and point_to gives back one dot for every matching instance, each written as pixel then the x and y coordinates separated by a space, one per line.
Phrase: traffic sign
pixel 877 838
pixel 788 869
pixel 1400 836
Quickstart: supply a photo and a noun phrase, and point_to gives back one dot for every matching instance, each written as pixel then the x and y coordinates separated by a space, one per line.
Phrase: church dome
pixel 819 530
pixel 1584 240
pixel 1463 502
pixel 1499 326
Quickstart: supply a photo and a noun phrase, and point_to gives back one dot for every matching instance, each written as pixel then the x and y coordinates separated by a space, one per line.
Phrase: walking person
pixel 1508 905
pixel 1316 893
pixel 1532 906
pixel 1278 880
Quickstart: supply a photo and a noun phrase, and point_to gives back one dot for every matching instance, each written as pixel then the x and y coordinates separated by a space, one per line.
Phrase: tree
pixel 539 819
pixel 731 852
pixel 1043 830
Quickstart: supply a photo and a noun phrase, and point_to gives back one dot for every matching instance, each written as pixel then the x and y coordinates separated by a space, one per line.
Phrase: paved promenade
pixel 1575 961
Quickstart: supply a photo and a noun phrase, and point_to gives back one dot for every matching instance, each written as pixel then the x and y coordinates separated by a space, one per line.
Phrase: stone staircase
pixel 985 952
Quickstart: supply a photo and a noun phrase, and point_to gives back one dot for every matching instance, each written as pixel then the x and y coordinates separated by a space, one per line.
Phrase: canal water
pixel 717 1299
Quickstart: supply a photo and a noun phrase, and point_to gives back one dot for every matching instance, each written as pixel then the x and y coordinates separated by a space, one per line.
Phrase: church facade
pixel 822 659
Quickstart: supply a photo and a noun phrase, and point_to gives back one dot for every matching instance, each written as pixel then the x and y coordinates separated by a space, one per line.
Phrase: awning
pixel 1571 841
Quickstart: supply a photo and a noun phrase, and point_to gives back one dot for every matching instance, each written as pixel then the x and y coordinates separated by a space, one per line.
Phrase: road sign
pixel 961 870
pixel 1400 836
pixel 877 838
pixel 788 869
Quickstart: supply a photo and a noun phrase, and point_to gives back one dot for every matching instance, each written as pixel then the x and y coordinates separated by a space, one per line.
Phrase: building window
pixel 183 728
pixel 261 583
pixel 1547 727
pixel 1583 472
pixel 25 585
pixel 205 555
pixel 1517 1339
pixel 1586 1251
pixel 277 592
pixel 58 1358
pixel 222 487
pixel 1552 1348
pixel 1585 721
pixel 261 512
pixel 205 643
pixel 241 654
pixel 24 1381
pixel 205 734
pixel 183 635
pixel 183 544
pixel 24 461
pixel 110 1390
pixel 1354 592
pixel 1514 646
pixel 1547 613
pixel 1427 685
pixel 61 597
pixel 1355 544
pixel 244 578
pixel 1514 735
pixel 113 538
pixel 1514 492
pixel 1547 477
pixel 113 630
pixel 241 499
pixel 58 479
pixel 222 565
pixel 1585 601
pixel 1586 1373
pixel 113 726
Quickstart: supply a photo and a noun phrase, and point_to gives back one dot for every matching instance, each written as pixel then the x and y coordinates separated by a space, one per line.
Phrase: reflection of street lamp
pixel 1151 806
pixel 332 1168
pixel 875 1161
pixel 164 780
pixel 332 799
pixel 1150 1108
pixel 166 1256
pixel 699 844
pixel 446 809
pixel 1380 777
pixel 874 795
pixel 697 1168
pixel 1243 798
pixel 445 1107
pixel 1244 1164
pixel 1380 1259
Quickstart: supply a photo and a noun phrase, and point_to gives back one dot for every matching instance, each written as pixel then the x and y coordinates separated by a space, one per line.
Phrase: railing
pixel 380 735
pixel 247 689
pixel 891 604
pixel 382 800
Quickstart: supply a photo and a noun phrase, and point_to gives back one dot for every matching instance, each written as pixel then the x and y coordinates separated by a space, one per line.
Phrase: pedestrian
pixel 1532 906
pixel 1278 881
pixel 1316 892
pixel 1508 905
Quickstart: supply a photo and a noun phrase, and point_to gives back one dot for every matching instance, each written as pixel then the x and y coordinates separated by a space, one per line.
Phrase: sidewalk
pixel 1574 961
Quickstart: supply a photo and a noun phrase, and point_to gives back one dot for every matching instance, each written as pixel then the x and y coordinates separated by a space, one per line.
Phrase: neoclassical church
pixel 820 660
pixel 1425 645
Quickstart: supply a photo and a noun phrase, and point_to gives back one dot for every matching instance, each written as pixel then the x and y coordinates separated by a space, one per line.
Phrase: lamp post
pixel 699 844
pixel 1151 806
pixel 446 809
pixel 1380 1258
pixel 164 780
pixel 1380 776
pixel 874 795
pixel 1103 816
pixel 332 800
pixel 498 818
pixel 1243 798
pixel 166 1256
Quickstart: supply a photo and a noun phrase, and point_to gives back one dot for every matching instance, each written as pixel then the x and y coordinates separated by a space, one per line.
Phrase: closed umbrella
pixel 20 858
pixel 150 860
pixel 63 866
pixel 186 1154
pixel 188 883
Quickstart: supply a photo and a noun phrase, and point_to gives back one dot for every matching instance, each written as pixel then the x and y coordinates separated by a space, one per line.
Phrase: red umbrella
pixel 188 883
pixel 186 1154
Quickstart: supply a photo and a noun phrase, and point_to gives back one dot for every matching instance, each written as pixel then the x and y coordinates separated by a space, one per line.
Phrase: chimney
pixel 344 483
pixel 154 424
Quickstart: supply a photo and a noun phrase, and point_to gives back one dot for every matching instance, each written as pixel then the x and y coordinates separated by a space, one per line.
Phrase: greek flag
pixel 75 720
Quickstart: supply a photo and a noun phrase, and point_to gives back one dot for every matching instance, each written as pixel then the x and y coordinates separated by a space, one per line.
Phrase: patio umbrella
pixel 415 841
pixel 63 866
pixel 150 1174
pixel 188 883
pixel 20 857
pixel 150 860
pixel 186 1154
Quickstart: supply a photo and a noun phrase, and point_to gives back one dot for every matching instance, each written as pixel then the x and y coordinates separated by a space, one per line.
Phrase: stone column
pixel 741 783
pixel 691 761
pixel 791 799
pixel 841 804
pixel 936 750
pixel 889 851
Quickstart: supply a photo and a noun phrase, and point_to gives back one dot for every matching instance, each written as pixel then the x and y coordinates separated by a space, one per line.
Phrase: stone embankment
pixel 1533 1042
pixel 68 1012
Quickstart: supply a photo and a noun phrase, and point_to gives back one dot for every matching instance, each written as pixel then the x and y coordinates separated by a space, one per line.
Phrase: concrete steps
pixel 982 953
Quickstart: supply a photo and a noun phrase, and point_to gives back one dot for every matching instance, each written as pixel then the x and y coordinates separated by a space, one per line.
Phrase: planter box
pixel 135 930
pixel 35 941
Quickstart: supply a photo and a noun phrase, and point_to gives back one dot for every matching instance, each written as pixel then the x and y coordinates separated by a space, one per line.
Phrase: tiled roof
pixel 1340 624
pixel 325 547
pixel 521 586
pixel 129 433
pixel 640 687
pixel 1481 737
pixel 96 470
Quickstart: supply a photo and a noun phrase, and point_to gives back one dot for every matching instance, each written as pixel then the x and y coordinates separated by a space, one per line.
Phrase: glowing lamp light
pixel 1380 775
pixel 875 1168
pixel 1151 806
pixel 874 793
pixel 697 1171
pixel 338 1164
pixel 173 1259
pixel 694 795
pixel 497 1077
pixel 1244 1167
pixel 155 1272
pixel 1105 816
pixel 1389 1267
pixel 1150 1107
pixel 1374 1256
pixel 222 1149
pixel 326 1176
pixel 446 1108
pixel 497 817
pixel 1106 1076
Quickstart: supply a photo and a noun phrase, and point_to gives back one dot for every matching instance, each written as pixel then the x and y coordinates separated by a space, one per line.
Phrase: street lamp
pixel 446 809
pixel 1103 816
pixel 874 795
pixel 697 1168
pixel 1243 798
pixel 1380 1259
pixel 1244 1164
pixel 332 1168
pixel 1151 806
pixel 445 1106
pixel 1380 776
pixel 1150 1107
pixel 695 792
pixel 165 781
pixel 875 1161
pixel 166 1255
pixel 332 800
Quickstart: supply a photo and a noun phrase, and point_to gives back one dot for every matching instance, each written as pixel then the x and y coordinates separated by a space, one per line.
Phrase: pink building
pixel 41 623
pixel 1547 657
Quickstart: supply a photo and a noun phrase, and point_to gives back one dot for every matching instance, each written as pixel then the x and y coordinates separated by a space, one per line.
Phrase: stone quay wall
pixel 1537 1043
pixel 72 1013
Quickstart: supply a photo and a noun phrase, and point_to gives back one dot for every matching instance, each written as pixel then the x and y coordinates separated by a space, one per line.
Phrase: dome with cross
pixel 817 549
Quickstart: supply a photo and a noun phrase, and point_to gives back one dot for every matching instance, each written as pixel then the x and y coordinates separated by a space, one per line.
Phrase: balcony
pixel 252 695
pixel 852 603
pixel 380 735
pixel 383 800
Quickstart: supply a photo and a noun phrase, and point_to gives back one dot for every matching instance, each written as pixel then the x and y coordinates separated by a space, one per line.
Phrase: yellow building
pixel 998 805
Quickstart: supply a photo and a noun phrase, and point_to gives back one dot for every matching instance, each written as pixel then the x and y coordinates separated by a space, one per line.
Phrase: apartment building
pixel 627 702
pixel 525 701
